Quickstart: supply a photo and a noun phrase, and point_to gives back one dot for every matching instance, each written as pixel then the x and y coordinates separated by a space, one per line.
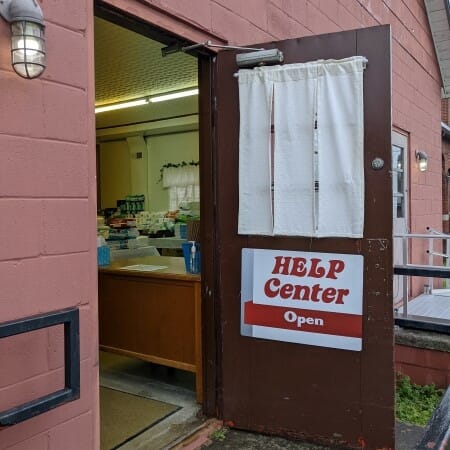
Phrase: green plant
pixel 415 404
pixel 219 434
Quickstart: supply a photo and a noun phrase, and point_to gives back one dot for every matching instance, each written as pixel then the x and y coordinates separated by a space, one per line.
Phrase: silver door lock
pixel 377 164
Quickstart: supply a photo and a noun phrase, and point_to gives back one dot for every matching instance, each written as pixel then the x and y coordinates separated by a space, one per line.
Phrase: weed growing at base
pixel 415 404
pixel 219 435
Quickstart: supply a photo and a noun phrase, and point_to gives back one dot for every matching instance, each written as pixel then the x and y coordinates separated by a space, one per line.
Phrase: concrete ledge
pixel 422 339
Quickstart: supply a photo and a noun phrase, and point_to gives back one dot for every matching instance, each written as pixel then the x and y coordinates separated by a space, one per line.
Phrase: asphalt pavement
pixel 406 437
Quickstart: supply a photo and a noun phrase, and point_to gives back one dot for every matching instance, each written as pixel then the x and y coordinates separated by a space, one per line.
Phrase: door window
pixel 400 206
pixel 398 181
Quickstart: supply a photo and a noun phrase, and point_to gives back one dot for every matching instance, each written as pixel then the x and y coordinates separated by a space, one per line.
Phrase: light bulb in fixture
pixel 422 160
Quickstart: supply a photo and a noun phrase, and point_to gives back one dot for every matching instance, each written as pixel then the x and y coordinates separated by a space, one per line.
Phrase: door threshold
pixel 197 437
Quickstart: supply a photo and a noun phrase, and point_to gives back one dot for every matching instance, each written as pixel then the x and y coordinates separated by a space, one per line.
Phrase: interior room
pixel 147 239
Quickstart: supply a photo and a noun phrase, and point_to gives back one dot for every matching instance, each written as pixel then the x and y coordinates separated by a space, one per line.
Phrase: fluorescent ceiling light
pixel 162 98
pixel 141 101
pixel 145 100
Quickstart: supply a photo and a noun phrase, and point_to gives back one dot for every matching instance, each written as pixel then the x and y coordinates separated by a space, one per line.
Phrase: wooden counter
pixel 154 316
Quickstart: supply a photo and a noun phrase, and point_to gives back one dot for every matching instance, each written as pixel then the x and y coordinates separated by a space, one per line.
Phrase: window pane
pixel 398 181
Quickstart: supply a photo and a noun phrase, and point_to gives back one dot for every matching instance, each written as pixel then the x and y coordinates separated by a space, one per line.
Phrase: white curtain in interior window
pixel 183 184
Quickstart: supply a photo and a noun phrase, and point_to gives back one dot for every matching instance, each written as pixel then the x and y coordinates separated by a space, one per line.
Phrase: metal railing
pixel 429 271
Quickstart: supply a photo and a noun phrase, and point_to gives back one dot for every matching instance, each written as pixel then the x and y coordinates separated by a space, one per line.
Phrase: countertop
pixel 175 268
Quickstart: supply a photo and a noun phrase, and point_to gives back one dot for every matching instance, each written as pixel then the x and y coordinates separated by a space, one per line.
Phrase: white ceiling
pixel 129 65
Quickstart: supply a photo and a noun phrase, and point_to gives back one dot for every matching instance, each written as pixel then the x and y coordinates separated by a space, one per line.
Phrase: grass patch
pixel 415 404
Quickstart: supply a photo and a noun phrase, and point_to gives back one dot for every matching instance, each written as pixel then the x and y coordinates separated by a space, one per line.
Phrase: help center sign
pixel 301 297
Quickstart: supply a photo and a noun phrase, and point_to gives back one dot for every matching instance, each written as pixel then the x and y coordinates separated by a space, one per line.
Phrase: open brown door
pixel 310 392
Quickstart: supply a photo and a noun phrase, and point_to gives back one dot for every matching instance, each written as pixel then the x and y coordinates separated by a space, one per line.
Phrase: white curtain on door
pixel 294 118
pixel 318 149
pixel 340 119
pixel 255 171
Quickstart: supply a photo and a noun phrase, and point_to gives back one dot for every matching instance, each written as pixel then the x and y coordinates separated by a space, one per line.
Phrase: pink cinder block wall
pixel 47 228
pixel 47 171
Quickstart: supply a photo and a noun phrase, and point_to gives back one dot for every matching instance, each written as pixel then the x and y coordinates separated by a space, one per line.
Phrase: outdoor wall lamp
pixel 27 36
pixel 422 160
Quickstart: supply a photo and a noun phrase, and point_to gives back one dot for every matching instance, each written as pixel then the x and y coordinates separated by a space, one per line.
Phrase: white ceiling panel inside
pixel 129 65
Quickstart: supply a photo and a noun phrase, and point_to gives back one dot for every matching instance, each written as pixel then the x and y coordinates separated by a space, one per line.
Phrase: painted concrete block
pixel 76 434
pixel 39 442
pixel 71 15
pixel 37 285
pixel 61 43
pixel 66 113
pixel 254 11
pixel 24 356
pixel 20 228
pixel 318 22
pixel 22 104
pixel 88 329
pixel 65 226
pixel 244 33
pixel 36 168
pixel 283 26
pixel 31 389
pixel 89 387
pixel 55 347
pixel 200 14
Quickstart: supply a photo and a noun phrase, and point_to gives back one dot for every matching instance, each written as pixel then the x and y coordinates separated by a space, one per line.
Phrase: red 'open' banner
pixel 311 321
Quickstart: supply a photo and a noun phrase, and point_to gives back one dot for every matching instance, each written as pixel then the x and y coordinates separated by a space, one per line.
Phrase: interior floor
pixel 162 398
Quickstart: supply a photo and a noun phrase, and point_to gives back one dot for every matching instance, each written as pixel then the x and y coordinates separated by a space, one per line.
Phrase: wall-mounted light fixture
pixel 27 36
pixel 422 160
pixel 145 100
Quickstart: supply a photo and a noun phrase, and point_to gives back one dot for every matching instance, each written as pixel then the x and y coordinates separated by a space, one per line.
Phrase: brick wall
pixel 423 366
pixel 47 218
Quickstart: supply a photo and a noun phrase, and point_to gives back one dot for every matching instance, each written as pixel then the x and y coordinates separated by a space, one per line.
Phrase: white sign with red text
pixel 302 297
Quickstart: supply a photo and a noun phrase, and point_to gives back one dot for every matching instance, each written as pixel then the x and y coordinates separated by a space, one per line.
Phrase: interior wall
pixel 138 157
pixel 115 173
pixel 163 149
pixel 123 172
pixel 130 163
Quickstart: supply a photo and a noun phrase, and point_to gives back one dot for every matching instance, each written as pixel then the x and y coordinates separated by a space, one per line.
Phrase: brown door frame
pixel 207 191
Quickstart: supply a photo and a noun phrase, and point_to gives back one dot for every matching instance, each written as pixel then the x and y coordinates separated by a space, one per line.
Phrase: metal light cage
pixel 27 48
pixel 422 160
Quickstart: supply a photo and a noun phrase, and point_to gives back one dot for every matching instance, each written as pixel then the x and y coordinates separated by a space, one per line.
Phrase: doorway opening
pixel 148 188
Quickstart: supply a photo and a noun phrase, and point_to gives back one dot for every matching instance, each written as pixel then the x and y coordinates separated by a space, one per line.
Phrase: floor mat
pixel 124 416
